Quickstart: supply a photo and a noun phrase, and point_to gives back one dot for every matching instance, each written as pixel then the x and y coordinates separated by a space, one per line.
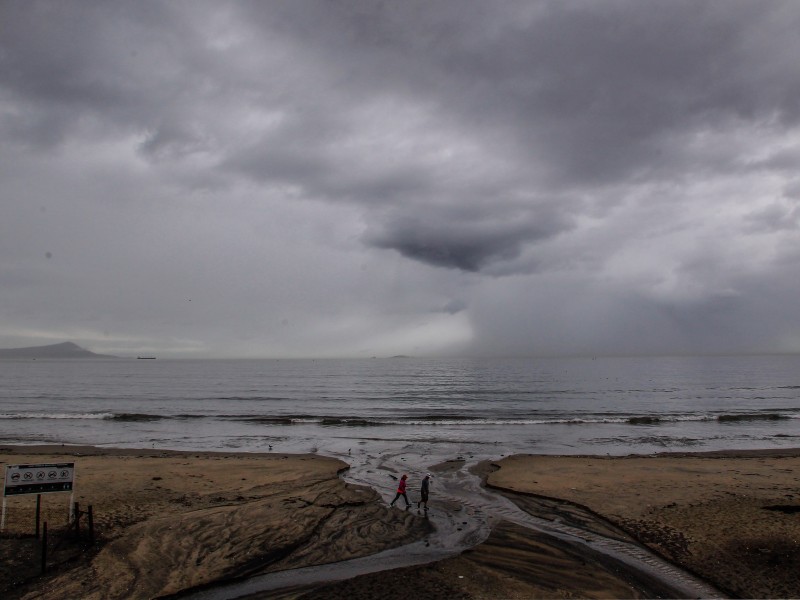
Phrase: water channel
pixel 463 513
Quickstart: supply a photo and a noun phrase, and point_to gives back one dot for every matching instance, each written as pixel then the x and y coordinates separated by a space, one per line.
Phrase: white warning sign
pixel 38 479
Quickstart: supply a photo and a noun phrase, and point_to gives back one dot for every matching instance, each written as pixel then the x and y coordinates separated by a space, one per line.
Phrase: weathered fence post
pixel 38 512
pixel 77 520
pixel 44 548
pixel 90 516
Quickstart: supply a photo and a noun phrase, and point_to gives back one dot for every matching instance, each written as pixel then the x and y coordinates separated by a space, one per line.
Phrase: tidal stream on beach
pixel 463 513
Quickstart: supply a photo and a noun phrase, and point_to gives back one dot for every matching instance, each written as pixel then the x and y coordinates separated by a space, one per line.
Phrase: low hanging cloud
pixel 447 238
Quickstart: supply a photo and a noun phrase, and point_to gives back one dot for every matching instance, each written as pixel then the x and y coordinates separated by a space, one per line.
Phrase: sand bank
pixel 170 521
pixel 731 517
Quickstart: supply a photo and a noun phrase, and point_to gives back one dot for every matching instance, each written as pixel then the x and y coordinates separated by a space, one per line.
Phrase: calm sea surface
pixel 480 406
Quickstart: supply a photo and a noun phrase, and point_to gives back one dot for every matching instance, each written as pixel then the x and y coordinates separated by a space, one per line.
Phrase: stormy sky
pixel 334 178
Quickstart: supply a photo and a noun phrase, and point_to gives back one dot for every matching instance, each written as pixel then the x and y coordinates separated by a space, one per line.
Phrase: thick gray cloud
pixel 464 239
pixel 324 178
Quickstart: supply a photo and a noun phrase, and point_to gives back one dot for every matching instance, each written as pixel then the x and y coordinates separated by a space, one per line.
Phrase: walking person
pixel 401 491
pixel 423 491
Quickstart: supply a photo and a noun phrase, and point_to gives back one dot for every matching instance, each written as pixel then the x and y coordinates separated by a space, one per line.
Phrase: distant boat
pixel 145 358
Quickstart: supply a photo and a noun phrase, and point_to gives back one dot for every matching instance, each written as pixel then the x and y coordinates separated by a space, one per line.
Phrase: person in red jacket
pixel 401 491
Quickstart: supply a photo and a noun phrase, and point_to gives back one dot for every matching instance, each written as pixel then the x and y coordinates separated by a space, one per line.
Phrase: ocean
pixel 438 407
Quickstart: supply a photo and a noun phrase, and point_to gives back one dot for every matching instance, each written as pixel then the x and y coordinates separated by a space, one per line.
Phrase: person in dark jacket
pixel 401 491
pixel 424 488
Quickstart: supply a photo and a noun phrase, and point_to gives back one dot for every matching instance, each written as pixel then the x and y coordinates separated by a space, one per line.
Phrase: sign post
pixel 36 479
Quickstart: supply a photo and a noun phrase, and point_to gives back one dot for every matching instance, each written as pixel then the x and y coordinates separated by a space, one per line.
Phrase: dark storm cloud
pixel 445 246
pixel 599 91
pixel 456 239
pixel 595 90
pixel 638 157
pixel 72 60
pixel 576 94
pixel 775 218
pixel 792 190
pixel 582 92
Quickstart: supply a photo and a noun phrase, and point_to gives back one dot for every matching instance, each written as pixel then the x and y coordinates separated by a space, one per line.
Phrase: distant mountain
pixel 65 350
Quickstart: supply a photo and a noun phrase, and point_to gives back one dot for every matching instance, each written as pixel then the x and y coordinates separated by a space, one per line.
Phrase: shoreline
pixel 697 509
pixel 89 450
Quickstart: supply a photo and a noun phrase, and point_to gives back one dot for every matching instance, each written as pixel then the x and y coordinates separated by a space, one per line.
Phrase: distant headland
pixel 64 350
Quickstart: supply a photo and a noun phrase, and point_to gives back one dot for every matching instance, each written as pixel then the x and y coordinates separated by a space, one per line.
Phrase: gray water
pixel 553 406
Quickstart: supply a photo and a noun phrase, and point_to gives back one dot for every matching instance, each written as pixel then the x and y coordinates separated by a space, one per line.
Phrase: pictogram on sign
pixel 39 479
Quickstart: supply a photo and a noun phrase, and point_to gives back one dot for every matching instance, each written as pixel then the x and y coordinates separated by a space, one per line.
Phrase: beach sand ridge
pixel 171 521
pixel 732 518
pixel 174 521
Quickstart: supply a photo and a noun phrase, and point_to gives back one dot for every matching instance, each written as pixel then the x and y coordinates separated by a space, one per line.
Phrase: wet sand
pixel 171 521
pixel 731 517
pixel 514 562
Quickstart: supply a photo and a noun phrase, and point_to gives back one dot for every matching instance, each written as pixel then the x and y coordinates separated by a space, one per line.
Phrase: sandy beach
pixel 172 521
pixel 731 517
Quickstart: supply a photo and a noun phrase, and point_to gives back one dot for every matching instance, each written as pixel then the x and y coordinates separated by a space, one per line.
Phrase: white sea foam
pixel 56 416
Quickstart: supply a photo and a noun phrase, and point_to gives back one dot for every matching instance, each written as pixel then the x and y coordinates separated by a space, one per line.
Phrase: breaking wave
pixel 42 415
pixel 423 420
pixel 736 418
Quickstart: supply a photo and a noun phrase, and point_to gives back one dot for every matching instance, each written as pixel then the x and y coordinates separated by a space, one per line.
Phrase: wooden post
pixel 77 520
pixel 91 524
pixel 38 512
pixel 44 548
